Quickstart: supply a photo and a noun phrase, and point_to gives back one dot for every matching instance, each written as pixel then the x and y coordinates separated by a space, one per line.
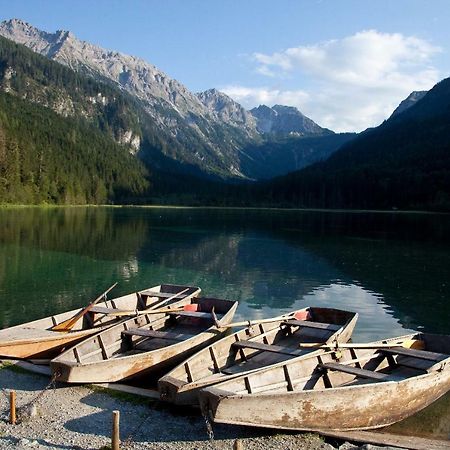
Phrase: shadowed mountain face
pixel 404 163
pixel 409 101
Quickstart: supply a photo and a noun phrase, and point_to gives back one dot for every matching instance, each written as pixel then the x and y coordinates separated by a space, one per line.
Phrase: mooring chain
pixel 26 411
pixel 209 427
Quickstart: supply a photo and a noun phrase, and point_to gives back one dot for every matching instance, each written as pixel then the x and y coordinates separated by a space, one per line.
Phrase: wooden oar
pixel 333 345
pixel 138 312
pixel 68 324
pixel 245 323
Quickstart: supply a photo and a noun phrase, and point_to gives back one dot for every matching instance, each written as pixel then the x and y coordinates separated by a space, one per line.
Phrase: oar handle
pixel 342 345
pixel 68 324
pixel 248 323
pixel 102 295
pixel 137 312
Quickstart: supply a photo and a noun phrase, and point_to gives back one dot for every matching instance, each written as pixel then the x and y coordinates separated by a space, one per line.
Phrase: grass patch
pixel 123 396
pixel 10 365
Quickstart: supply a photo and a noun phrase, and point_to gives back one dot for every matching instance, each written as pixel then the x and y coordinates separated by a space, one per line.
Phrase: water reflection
pixel 391 268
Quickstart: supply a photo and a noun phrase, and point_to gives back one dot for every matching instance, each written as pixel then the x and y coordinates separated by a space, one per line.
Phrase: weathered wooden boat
pixel 253 348
pixel 144 344
pixel 351 388
pixel 36 339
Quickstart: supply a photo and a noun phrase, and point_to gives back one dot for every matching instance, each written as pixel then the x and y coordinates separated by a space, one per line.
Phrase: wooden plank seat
pixel 195 314
pixel 266 347
pixel 157 334
pixel 163 294
pixel 361 373
pixel 421 354
pixel 103 310
pixel 310 324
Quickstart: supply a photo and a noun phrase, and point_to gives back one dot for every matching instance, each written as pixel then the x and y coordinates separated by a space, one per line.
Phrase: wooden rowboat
pixel 349 389
pixel 253 348
pixel 36 339
pixel 144 344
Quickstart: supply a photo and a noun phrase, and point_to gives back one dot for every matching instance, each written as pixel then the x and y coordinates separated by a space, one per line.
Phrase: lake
pixel 391 268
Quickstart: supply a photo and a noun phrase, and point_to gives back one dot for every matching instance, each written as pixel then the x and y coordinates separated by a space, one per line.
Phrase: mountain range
pixel 194 147
pixel 207 132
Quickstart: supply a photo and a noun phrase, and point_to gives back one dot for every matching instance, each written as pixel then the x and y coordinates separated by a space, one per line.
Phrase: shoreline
pixel 80 416
pixel 237 208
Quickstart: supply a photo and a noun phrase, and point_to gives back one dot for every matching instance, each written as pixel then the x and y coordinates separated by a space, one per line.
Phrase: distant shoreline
pixel 253 208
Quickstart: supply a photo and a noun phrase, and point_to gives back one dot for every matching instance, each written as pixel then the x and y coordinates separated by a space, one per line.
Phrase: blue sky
pixel 346 64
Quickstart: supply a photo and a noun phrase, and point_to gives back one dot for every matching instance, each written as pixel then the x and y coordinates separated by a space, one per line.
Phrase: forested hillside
pixel 46 158
pixel 404 163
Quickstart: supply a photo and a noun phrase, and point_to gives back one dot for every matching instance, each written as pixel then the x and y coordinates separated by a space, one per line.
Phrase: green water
pixel 392 268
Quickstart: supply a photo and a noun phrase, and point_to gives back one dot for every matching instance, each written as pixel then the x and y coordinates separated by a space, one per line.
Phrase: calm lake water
pixel 392 268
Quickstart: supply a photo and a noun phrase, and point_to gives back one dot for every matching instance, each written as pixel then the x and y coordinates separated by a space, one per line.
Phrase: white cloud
pixel 353 83
pixel 250 97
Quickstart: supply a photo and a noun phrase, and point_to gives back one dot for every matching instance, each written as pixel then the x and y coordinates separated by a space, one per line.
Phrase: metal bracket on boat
pixel 337 350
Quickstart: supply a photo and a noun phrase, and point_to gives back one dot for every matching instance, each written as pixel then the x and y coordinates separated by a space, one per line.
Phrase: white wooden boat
pixel 254 348
pixel 144 344
pixel 36 339
pixel 353 388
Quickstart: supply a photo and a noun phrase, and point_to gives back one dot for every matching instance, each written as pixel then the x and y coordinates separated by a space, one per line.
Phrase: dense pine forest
pixel 45 158
pixel 402 164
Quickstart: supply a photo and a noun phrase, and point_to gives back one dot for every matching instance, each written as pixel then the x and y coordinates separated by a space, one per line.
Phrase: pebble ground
pixel 80 417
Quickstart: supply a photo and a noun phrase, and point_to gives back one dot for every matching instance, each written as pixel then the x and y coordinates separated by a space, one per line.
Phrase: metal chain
pixel 24 411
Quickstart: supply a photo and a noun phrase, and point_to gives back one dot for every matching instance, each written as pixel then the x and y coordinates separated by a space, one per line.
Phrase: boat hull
pixel 30 348
pixel 349 408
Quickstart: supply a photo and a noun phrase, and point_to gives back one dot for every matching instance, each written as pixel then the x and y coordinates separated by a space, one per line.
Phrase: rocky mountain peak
pixel 133 74
pixel 409 101
pixel 281 119
pixel 227 109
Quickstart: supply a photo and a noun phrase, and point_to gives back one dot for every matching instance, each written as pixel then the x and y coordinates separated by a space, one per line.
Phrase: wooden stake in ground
pixel 115 438
pixel 12 407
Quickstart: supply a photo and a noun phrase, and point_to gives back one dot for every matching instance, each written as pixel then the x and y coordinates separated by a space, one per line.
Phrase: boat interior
pixel 100 315
pixel 264 344
pixel 155 297
pixel 148 332
pixel 389 360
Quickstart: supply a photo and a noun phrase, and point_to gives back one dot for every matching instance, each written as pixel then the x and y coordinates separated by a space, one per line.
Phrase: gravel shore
pixel 80 418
